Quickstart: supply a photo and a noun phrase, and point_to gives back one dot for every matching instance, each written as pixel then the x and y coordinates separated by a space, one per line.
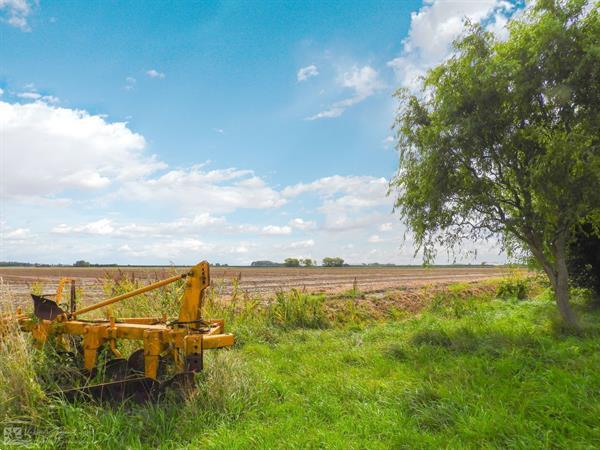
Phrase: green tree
pixel 503 140
pixel 81 263
pixel 333 262
pixel 291 262
pixel 307 262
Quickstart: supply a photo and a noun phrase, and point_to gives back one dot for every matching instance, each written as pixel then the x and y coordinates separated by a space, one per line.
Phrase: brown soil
pixel 265 281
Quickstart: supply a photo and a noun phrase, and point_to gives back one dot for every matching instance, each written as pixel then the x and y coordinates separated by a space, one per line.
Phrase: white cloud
pixel 356 191
pixel 29 95
pixel 221 190
pixel 346 201
pixel 435 26
pixel 385 226
pixel 16 13
pixel 388 142
pixel 68 149
pixel 374 239
pixel 171 249
pixel 302 224
pixel 64 149
pixel 102 227
pixel 276 230
pixel 1 91
pixel 307 72
pixel 196 224
pixel 363 81
pixel 308 243
pixel 153 73
pixel 105 227
pixel 219 130
pixel 17 234
pixel 342 219
pixel 50 99
pixel 36 96
pixel 130 83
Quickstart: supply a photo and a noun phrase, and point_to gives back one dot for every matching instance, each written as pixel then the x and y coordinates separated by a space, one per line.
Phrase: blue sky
pixel 157 132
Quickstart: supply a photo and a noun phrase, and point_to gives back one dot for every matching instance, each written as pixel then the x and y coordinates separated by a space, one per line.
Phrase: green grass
pixel 466 372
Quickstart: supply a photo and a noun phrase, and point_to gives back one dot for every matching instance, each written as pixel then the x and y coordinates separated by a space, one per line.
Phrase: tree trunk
pixel 559 278
pixel 561 287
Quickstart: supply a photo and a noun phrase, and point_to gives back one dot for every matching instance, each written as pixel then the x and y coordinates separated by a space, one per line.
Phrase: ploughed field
pixel 252 280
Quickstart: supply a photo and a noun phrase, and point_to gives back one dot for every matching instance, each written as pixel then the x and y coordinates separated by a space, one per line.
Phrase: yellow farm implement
pixel 172 349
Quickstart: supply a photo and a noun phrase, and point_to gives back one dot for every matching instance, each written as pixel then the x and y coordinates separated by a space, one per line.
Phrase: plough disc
pixel 45 309
pixel 137 389
pixel 121 379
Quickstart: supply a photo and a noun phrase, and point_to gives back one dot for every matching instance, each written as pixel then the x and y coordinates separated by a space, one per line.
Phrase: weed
pixel 37 288
pixel 433 337
pixel 514 287
pixel 20 394
pixel 297 309
pixel 228 389
pixel 428 408
pixel 397 352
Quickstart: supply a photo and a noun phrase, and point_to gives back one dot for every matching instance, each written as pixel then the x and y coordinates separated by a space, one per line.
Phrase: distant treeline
pixel 77 264
pixel 290 263
pixel 264 263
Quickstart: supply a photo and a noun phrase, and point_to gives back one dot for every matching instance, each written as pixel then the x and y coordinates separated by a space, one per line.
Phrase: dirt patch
pixel 250 280
pixel 409 300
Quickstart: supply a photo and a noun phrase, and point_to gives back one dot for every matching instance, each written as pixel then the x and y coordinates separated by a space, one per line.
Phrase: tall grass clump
pixel 458 300
pixel 296 309
pixel 156 303
pixel 20 393
pixel 255 318
pixel 227 388
pixel 513 287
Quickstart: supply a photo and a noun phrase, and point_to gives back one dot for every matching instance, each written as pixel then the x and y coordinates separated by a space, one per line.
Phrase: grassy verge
pixel 467 370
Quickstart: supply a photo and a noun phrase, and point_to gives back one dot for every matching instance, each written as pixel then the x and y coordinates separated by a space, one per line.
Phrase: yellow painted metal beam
pixel 198 280
pixel 133 293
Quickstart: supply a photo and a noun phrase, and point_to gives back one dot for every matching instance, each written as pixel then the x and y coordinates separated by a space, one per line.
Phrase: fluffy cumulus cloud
pixel 69 150
pixel 16 12
pixel 302 224
pixel 66 149
pixel 436 25
pixel 130 83
pixel 153 73
pixel 357 191
pixel 33 95
pixel 362 81
pixel 347 202
pixel 276 230
pixel 308 243
pixel 220 190
pixel 18 234
pixel 109 227
pixel 175 249
pixel 100 227
pixel 386 226
pixel 307 72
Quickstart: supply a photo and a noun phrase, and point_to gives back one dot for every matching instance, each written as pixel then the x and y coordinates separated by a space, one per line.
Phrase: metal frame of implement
pixel 183 339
